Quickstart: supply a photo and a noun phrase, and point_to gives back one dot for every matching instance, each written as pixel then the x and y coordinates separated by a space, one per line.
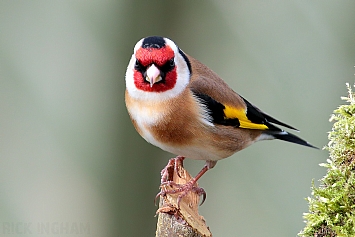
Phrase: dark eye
pixel 168 66
pixel 138 66
pixel 172 63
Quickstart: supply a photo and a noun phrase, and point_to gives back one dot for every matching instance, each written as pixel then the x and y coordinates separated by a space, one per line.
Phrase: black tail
pixel 289 137
pixel 257 116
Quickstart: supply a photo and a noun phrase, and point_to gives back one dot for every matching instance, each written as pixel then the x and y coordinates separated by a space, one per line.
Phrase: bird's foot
pixel 174 172
pixel 183 189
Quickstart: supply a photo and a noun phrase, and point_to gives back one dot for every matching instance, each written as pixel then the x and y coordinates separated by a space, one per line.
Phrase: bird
pixel 180 105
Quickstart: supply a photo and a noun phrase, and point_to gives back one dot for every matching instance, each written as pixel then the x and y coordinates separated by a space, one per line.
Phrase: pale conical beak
pixel 153 75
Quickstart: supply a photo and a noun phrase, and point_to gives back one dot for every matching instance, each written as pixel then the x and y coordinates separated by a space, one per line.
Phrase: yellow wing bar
pixel 240 114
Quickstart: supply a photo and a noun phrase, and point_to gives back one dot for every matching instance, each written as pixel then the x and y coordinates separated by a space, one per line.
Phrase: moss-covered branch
pixel 332 207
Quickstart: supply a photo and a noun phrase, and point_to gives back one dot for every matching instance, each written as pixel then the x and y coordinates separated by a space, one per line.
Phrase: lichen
pixel 332 205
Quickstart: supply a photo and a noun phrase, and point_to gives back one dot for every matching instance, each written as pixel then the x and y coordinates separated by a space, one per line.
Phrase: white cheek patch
pixel 130 76
pixel 182 71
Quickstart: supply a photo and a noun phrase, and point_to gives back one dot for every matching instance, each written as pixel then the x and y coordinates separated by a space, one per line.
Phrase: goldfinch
pixel 180 105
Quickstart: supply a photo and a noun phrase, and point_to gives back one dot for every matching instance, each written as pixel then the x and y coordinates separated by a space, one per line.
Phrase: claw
pixel 156 197
pixel 184 189
pixel 203 198
pixel 174 167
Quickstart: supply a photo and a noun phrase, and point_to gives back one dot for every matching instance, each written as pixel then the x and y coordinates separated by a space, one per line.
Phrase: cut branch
pixel 179 219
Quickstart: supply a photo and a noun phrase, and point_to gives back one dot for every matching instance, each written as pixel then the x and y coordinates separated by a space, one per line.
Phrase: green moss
pixel 332 205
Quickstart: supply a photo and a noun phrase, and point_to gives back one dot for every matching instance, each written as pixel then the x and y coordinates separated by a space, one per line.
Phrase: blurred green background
pixel 70 158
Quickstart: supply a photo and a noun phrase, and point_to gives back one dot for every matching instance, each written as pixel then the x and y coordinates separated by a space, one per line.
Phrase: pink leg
pixel 181 188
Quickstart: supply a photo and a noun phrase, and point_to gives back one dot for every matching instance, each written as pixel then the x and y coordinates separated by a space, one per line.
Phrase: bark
pixel 183 219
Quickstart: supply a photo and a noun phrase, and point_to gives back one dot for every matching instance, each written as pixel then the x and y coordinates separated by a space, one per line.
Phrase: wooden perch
pixel 183 219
